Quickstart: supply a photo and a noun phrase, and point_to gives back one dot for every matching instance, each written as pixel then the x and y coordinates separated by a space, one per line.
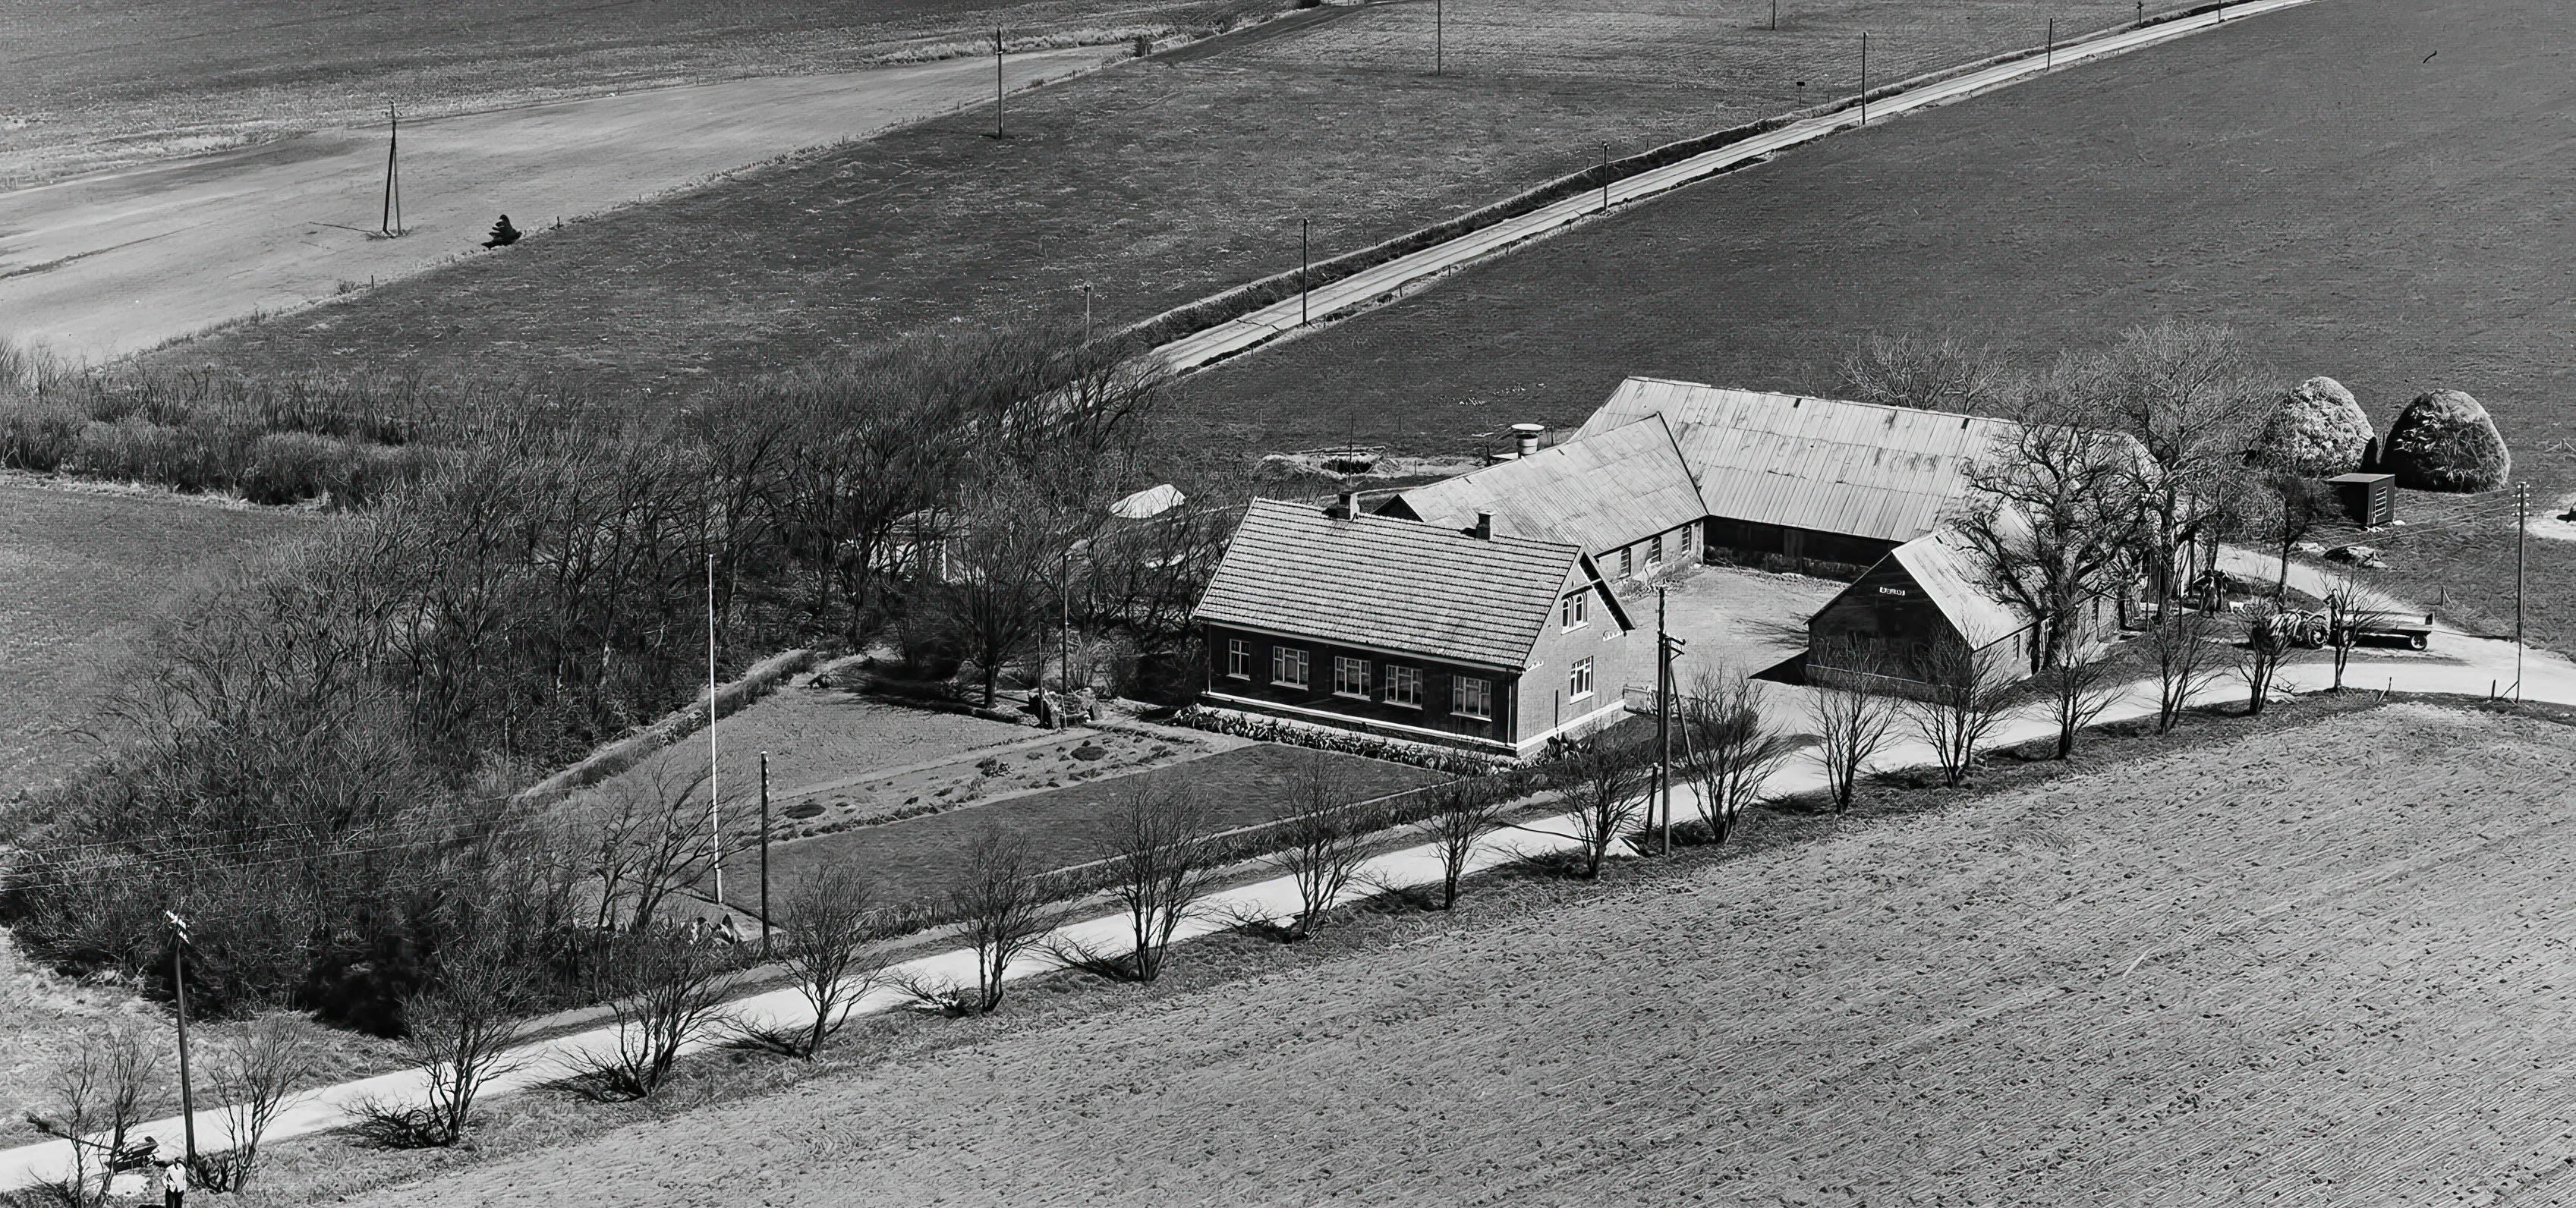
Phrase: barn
pixel 1622 495
pixel 1923 594
pixel 1809 484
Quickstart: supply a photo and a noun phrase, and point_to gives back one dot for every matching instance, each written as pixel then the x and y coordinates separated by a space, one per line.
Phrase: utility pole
pixel 1775 15
pixel 2142 14
pixel 1864 77
pixel 2521 538
pixel 179 987
pixel 715 819
pixel 1663 726
pixel 1064 630
pixel 997 82
pixel 1439 36
pixel 1605 177
pixel 392 221
pixel 1305 261
pixel 764 855
pixel 1086 312
pixel 2050 62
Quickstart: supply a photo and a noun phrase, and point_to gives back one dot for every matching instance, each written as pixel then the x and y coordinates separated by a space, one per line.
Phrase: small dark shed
pixel 2370 499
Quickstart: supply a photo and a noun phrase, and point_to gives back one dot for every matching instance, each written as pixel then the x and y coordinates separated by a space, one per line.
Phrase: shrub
pixel 2317 430
pixel 2445 442
pixel 38 435
pixel 291 467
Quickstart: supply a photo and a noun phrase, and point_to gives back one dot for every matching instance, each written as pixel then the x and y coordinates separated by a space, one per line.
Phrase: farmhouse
pixel 1622 495
pixel 1808 480
pixel 1462 636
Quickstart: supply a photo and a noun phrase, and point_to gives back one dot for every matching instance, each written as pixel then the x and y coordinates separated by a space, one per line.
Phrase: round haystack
pixel 2444 441
pixel 2317 431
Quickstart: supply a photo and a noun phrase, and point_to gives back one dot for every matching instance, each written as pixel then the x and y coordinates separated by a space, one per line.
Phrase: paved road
pixel 1210 345
pixel 105 265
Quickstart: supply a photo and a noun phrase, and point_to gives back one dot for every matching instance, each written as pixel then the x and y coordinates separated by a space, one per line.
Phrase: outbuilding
pixel 1623 495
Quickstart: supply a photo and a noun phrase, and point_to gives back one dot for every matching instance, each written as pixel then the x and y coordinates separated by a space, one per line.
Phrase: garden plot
pixel 2100 989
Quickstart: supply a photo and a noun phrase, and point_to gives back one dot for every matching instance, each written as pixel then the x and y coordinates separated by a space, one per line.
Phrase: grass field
pixel 2308 177
pixel 1156 183
pixel 86 84
pixel 914 859
pixel 80 572
pixel 2339 981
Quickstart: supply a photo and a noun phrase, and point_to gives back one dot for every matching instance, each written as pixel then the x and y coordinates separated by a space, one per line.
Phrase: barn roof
pixel 1599 491
pixel 1840 467
pixel 1946 571
pixel 1386 584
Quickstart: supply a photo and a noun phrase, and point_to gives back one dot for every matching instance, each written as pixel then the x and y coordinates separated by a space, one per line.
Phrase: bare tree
pixel 257 1063
pixel 827 937
pixel 2348 613
pixel 460 1030
pixel 1730 747
pixel 1963 702
pixel 2077 693
pixel 2182 642
pixel 1606 782
pixel 2268 638
pixel 1001 901
pixel 2296 507
pixel 1854 711
pixel 1161 866
pixel 647 842
pixel 675 990
pixel 1320 842
pixel 2051 517
pixel 98 1098
pixel 1922 372
pixel 1014 557
pixel 1463 812
pixel 2195 399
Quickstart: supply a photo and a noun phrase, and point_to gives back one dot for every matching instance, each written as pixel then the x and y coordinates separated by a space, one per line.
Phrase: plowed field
pixel 2328 966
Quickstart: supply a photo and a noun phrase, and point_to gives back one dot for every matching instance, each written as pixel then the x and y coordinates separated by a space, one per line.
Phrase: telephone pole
pixel 391 223
pixel 1439 36
pixel 1605 177
pixel 2050 63
pixel 1864 77
pixel 998 91
pixel 179 988
pixel 715 819
pixel 1663 727
pixel 764 855
pixel 1305 262
pixel 2521 539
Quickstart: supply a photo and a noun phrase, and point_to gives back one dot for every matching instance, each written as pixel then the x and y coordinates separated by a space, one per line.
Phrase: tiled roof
pixel 1839 467
pixel 1599 491
pixel 1947 573
pixel 1387 584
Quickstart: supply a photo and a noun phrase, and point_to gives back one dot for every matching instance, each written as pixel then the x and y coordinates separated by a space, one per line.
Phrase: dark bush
pixel 2445 442
pixel 291 467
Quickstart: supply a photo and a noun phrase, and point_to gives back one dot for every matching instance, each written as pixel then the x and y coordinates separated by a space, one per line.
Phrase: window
pixel 1288 666
pixel 1655 550
pixel 1471 697
pixel 1238 658
pixel 1627 562
pixel 1404 686
pixel 1575 610
pixel 1578 681
pixel 1683 536
pixel 1350 676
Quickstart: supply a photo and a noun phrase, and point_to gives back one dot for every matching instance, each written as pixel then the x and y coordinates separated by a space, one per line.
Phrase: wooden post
pixel 1305 261
pixel 998 91
pixel 391 223
pixel 1439 33
pixel 2050 62
pixel 1663 726
pixel 187 1085
pixel 764 855
pixel 1864 77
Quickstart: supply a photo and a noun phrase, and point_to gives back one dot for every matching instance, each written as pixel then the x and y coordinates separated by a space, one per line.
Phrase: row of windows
pixel 1290 667
pixel 1654 551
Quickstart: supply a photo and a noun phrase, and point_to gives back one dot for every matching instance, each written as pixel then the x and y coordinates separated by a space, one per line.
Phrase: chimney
pixel 1347 507
pixel 1484 526
pixel 1526 437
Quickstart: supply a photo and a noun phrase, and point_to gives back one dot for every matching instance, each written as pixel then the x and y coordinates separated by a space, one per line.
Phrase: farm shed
pixel 1407 630
pixel 1922 593
pixel 1622 495
pixel 1809 479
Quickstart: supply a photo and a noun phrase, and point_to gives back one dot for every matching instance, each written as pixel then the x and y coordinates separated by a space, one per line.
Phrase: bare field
pixel 2305 176
pixel 81 571
pixel 88 84
pixel 2101 989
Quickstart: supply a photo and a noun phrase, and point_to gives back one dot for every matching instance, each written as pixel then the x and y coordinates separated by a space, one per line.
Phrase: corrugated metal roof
pixel 1599 491
pixel 1947 573
pixel 1387 584
pixel 1839 467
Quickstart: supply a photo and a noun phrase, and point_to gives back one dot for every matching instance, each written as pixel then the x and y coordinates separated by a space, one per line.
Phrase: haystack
pixel 2316 431
pixel 2444 441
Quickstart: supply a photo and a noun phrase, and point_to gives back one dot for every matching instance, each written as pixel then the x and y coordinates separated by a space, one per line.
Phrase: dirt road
pixel 107 265
pixel 2204 978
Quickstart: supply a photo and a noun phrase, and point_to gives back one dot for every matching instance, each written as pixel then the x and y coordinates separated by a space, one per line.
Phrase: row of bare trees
pixel 102 1092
